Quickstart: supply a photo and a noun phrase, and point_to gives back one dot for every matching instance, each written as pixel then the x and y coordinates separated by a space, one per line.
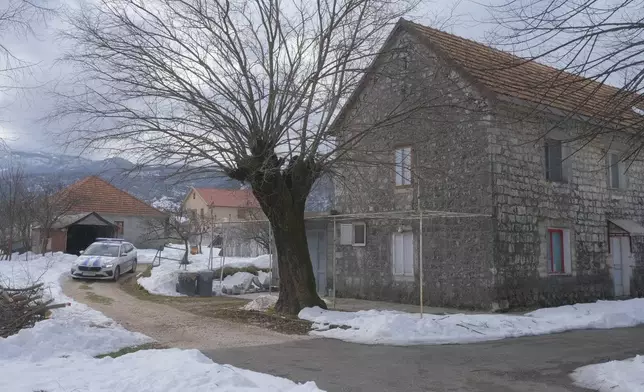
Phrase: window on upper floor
pixel 615 172
pixel 554 161
pixel 403 166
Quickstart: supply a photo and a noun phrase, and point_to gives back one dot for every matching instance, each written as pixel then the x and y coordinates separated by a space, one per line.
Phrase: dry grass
pixel 228 308
pixel 93 297
pixel 131 349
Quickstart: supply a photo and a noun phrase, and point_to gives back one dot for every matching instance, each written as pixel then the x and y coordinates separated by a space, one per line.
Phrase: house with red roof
pixel 99 209
pixel 222 204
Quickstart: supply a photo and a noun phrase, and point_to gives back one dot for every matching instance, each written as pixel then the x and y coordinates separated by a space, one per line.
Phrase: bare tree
pixel 180 225
pixel 13 204
pixel 595 45
pixel 247 87
pixel 16 17
pixel 51 201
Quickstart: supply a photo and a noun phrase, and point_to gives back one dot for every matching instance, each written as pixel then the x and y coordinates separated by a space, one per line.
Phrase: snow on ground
pixel 74 328
pixel 163 278
pixel 171 370
pixel 57 354
pixel 613 376
pixel 398 328
pixel 261 303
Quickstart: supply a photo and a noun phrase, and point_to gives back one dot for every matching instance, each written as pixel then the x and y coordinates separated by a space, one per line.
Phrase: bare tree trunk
pixel 294 265
pixel 297 281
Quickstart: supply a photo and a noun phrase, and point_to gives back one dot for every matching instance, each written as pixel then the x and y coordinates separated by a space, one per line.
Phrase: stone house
pixel 99 210
pixel 524 175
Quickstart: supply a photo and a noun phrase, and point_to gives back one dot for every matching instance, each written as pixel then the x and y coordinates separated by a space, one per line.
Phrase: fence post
pixel 420 262
pixel 270 257
pixel 334 261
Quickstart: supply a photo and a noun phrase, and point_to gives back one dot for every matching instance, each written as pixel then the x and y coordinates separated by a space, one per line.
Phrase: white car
pixel 107 258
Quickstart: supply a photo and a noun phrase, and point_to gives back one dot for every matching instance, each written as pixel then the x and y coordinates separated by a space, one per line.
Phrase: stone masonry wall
pixel 528 204
pixel 451 171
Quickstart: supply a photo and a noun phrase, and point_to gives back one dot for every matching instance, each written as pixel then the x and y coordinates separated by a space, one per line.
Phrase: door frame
pixel 625 264
pixel 321 238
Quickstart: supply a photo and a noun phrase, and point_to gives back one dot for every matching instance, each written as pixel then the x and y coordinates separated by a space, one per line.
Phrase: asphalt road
pixel 540 363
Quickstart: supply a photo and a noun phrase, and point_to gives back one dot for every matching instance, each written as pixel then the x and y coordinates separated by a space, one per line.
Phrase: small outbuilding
pixel 99 210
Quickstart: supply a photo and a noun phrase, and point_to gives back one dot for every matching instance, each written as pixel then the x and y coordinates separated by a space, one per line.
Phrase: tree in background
pixel 179 225
pixel 16 17
pixel 51 201
pixel 15 208
pixel 250 88
pixel 600 41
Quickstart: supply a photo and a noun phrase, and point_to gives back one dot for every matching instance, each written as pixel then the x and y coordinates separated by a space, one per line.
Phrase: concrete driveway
pixel 539 363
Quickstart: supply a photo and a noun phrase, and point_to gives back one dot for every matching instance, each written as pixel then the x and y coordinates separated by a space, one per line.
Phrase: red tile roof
pixel 93 194
pixel 509 75
pixel 228 198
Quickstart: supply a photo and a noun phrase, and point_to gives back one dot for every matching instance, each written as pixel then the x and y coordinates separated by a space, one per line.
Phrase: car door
pixel 122 259
pixel 127 259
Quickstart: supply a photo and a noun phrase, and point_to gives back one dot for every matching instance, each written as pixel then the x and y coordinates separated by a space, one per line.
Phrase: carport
pixel 83 229
pixel 75 232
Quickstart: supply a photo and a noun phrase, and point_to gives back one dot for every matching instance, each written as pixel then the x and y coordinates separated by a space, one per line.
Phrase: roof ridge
pixel 126 193
pixel 510 75
pixel 523 60
pixel 98 181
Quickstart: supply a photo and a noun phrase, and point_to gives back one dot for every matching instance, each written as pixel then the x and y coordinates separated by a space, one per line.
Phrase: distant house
pixel 100 210
pixel 222 204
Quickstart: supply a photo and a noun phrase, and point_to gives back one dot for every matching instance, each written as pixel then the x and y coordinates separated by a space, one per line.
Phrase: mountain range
pixel 154 184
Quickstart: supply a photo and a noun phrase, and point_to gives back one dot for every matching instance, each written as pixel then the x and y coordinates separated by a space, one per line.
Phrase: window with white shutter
pixel 346 234
pixel 403 254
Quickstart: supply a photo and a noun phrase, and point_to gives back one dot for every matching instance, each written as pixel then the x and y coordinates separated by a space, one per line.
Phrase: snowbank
pixel 57 354
pixel 613 376
pixel 239 282
pixel 74 328
pixel 398 328
pixel 142 371
pixel 164 277
pixel 261 303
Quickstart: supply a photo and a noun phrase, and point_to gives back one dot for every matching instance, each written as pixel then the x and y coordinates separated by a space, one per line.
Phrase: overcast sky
pixel 22 111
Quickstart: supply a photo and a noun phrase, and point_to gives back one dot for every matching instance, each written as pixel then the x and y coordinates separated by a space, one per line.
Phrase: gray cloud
pixel 22 109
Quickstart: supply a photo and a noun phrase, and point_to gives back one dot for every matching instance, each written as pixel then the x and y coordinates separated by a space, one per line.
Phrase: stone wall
pixel 475 158
pixel 450 172
pixel 527 204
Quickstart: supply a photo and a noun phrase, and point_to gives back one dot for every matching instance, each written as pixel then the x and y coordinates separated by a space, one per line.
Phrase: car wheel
pixel 117 273
pixel 133 270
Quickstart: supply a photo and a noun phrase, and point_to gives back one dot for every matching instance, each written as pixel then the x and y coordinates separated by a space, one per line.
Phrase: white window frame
pixel 407 270
pixel 567 252
pixel 364 231
pixel 348 234
pixel 619 168
pixel 402 165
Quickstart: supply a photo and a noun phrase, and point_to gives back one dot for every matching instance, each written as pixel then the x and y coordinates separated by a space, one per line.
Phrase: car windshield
pixel 99 249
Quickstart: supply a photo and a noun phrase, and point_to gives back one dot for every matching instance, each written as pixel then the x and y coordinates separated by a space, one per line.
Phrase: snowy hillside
pixel 154 184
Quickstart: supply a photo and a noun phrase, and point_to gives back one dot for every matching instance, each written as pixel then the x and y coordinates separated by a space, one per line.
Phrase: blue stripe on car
pixel 97 262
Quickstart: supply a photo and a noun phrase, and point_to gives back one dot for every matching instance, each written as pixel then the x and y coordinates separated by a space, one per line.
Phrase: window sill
pixel 559 274
pixel 403 189
pixel 404 278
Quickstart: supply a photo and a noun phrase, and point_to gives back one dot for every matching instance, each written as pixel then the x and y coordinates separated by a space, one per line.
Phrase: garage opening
pixel 86 229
